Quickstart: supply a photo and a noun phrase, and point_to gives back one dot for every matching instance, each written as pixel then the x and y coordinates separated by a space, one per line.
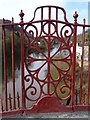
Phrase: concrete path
pixel 53 116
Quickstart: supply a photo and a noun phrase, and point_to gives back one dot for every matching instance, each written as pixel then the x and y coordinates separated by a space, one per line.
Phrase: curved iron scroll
pixel 49 33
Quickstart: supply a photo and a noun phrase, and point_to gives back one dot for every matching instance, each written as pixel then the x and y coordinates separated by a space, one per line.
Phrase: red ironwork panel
pixel 51 78
pixel 10 101
pixel 49 69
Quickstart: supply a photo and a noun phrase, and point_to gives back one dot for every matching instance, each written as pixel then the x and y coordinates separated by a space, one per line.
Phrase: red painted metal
pixel 49 37
pixel 45 94
pixel 18 100
pixel 74 59
pixel 22 59
pixel 13 67
pixel 5 67
pixel 10 101
pixel 82 60
pixel 50 104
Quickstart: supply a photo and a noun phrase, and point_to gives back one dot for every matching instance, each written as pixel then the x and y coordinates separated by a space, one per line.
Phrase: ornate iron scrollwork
pixel 48 85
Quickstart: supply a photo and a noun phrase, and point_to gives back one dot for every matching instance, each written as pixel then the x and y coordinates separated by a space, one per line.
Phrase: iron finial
pixel 84 20
pixel 75 16
pixel 12 20
pixel 21 15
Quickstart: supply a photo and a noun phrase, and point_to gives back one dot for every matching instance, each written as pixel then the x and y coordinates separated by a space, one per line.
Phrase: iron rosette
pixel 46 62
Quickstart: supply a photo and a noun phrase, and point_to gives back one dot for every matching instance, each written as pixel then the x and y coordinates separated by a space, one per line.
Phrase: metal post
pixel 22 59
pixel 81 72
pixel 13 64
pixel 74 59
pixel 5 67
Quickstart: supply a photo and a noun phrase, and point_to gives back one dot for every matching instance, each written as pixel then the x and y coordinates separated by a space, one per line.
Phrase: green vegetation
pixel 9 51
pixel 65 81
pixel 43 47
pixel 87 36
pixel 8 39
pixel 63 66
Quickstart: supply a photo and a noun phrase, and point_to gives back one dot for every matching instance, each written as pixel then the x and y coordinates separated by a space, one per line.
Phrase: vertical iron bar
pixel 41 13
pixel 56 13
pixel 22 59
pixel 5 67
pixel 74 59
pixel 10 101
pixel 57 20
pixel 13 67
pixel 41 19
pixel 49 45
pixel 18 101
pixel 82 59
pixel 49 13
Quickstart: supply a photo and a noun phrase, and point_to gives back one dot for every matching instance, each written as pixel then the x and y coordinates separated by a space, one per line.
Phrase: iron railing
pixel 66 87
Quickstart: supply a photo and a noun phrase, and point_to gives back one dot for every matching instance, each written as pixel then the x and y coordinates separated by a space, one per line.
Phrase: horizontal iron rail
pixel 45 20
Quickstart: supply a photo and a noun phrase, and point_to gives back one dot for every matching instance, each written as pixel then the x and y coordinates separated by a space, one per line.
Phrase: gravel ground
pixel 47 116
